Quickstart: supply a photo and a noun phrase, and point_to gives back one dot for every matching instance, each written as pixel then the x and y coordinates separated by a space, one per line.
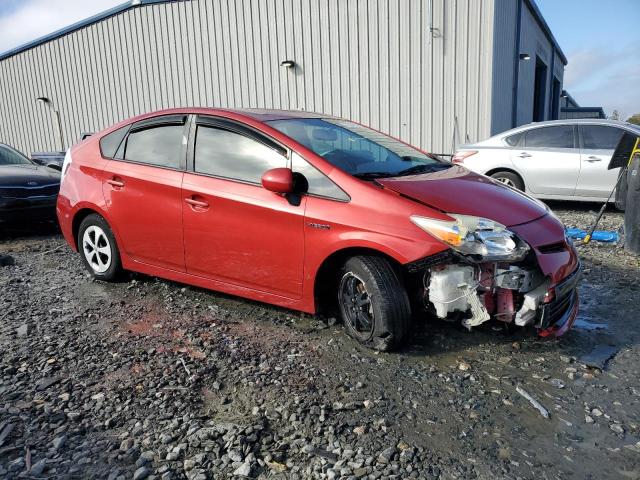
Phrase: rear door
pixel 597 145
pixel 236 231
pixel 142 189
pixel 549 160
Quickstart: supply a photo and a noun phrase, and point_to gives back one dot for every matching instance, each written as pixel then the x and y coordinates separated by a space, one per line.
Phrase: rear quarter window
pixel 109 143
pixel 513 140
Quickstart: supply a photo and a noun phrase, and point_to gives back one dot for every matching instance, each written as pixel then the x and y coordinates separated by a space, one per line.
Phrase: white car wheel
pixel 96 249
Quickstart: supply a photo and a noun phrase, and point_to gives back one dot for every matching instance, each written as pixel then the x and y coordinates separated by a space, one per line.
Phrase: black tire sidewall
pixel 383 322
pixel 115 268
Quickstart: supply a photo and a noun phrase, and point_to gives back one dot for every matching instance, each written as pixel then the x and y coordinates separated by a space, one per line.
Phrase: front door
pixel 235 231
pixel 549 160
pixel 598 144
pixel 142 190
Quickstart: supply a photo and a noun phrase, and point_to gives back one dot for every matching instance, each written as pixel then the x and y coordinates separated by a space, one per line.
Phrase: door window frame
pixel 581 137
pixel 232 126
pixel 244 130
pixel 148 123
pixel 522 143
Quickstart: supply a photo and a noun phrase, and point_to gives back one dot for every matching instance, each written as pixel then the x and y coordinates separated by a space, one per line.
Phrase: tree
pixel 634 119
pixel 615 115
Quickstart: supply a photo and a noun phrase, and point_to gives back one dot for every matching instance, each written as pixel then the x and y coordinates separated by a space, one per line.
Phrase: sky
pixel 601 39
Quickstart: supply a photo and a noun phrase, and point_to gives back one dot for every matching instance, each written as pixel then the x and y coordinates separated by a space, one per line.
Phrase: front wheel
pixel 373 302
pixel 98 248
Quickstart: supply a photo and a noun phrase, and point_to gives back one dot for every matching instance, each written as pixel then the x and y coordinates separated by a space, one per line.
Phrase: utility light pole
pixel 49 104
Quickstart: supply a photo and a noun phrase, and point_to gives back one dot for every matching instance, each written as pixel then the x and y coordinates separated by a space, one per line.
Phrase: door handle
pixel 116 183
pixel 196 203
pixel 592 159
pixel 524 155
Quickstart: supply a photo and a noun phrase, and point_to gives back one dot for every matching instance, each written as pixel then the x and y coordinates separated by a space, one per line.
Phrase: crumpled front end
pixel 538 290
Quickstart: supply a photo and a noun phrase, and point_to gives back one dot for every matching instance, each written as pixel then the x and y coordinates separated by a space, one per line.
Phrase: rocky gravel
pixel 149 379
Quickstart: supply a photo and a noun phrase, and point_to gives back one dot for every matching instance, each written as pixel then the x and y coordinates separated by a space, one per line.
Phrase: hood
pixel 458 190
pixel 19 175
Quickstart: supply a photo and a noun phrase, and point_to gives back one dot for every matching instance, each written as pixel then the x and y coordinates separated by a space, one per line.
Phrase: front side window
pixel 317 182
pixel 9 156
pixel 356 149
pixel 597 137
pixel 159 145
pixel 550 137
pixel 227 154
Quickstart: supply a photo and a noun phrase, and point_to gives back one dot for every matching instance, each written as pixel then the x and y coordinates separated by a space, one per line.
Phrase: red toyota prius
pixel 313 212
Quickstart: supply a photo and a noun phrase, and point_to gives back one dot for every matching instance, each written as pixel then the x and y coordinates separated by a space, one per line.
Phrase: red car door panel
pixel 243 234
pixel 145 206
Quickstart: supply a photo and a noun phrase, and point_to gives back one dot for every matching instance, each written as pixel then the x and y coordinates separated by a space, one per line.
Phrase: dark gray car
pixel 28 191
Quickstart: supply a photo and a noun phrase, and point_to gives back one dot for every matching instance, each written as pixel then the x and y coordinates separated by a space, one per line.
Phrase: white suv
pixel 559 159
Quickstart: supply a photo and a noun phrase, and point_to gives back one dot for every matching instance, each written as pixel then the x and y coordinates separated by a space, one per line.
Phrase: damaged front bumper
pixel 520 294
pixel 558 315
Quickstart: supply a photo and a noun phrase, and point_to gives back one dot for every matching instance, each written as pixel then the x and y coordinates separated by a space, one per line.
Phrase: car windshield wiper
pixel 426 168
pixel 372 175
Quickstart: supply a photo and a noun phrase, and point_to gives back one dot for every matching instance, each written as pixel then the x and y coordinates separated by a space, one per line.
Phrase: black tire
pixel 94 263
pixel 388 310
pixel 621 193
pixel 509 178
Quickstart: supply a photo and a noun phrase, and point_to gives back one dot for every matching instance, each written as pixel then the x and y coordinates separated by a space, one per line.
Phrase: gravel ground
pixel 151 379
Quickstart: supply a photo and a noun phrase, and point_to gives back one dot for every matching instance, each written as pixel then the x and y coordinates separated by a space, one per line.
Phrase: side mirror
pixel 278 180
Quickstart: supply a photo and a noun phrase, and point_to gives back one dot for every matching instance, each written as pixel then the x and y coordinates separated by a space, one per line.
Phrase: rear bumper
pixel 557 317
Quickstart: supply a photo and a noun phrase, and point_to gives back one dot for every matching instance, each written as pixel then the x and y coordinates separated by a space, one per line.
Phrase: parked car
pixel 49 159
pixel 28 191
pixel 560 159
pixel 313 212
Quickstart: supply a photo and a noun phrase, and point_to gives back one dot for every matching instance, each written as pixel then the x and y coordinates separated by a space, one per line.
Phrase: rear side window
pixel 550 137
pixel 160 146
pixel 597 137
pixel 227 154
pixel 513 140
pixel 109 143
pixel 318 183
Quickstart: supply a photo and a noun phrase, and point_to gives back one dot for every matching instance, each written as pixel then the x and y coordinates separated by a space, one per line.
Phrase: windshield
pixel 356 149
pixel 8 156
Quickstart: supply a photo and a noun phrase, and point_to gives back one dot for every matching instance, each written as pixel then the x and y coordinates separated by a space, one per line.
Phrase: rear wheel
pixel 98 248
pixel 373 302
pixel 509 178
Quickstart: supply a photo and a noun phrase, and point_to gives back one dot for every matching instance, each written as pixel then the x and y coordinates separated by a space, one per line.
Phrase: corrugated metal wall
pixel 534 42
pixel 372 61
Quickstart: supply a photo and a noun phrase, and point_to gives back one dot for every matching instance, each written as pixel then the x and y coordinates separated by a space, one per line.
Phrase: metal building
pixel 569 109
pixel 435 73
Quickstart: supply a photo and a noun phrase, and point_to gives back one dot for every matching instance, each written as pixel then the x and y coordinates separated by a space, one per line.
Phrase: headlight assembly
pixel 480 238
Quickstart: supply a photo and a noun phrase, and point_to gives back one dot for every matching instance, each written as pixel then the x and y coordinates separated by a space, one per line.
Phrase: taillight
pixel 459 157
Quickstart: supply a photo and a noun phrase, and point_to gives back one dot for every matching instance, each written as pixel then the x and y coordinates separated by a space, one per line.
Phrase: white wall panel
pixel 373 61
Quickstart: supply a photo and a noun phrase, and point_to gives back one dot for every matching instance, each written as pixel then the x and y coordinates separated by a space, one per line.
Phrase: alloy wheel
pixel 96 249
pixel 506 181
pixel 356 304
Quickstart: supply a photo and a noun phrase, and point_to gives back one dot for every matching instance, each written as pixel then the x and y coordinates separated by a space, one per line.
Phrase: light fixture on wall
pixel 525 56
pixel 47 102
pixel 288 63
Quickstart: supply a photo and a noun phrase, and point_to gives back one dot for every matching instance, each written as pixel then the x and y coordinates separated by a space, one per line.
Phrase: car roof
pixel 264 114
pixel 571 121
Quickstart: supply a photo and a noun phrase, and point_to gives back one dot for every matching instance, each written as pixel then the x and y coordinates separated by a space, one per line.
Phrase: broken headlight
pixel 478 237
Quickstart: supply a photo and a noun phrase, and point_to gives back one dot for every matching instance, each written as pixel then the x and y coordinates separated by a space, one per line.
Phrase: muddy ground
pixel 152 379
